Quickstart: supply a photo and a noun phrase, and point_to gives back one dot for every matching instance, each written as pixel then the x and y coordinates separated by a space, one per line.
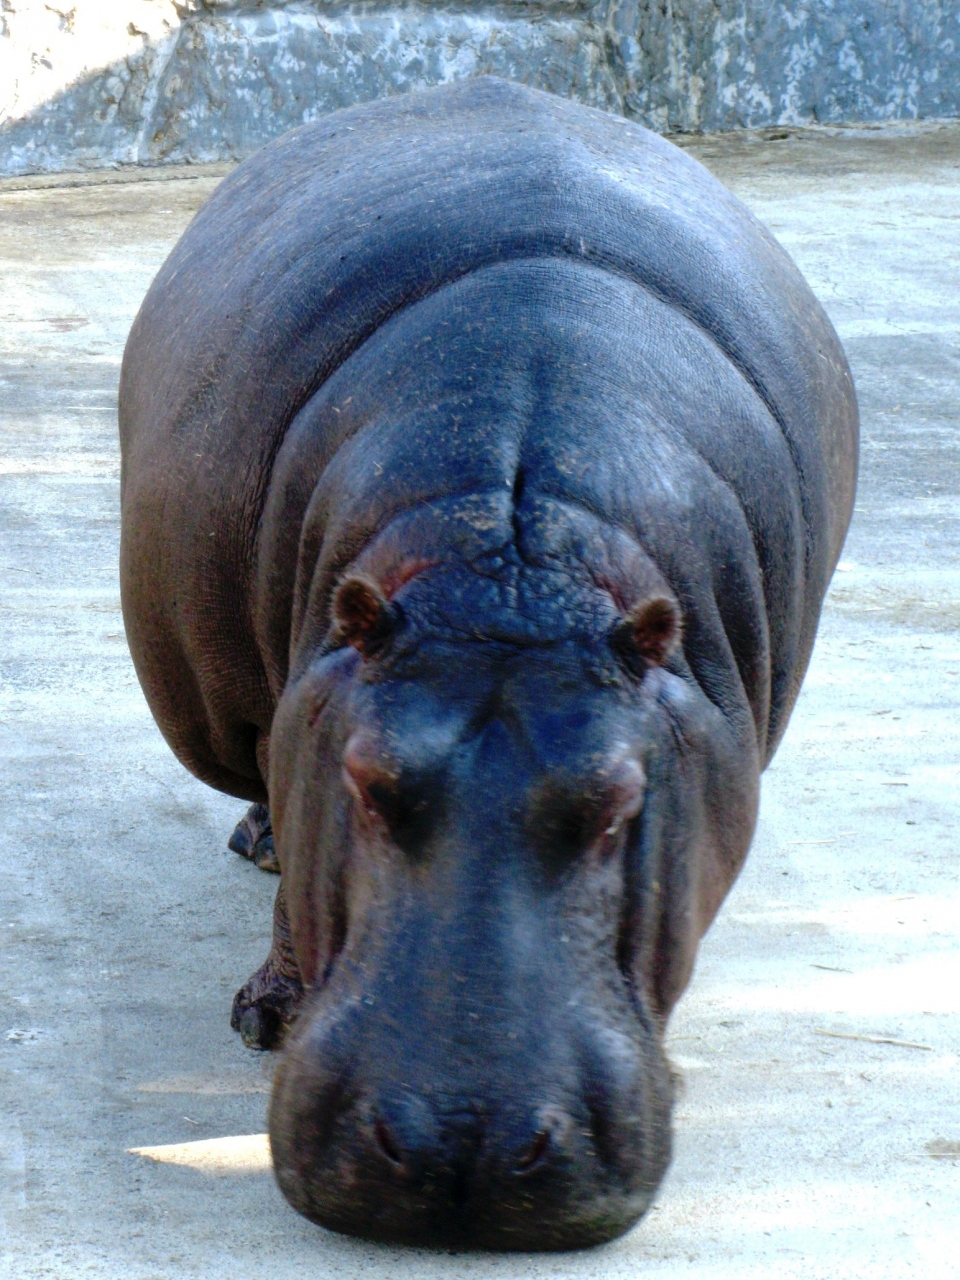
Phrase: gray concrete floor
pixel 126 926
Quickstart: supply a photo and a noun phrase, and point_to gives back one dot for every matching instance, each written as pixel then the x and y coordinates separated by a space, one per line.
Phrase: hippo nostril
pixel 386 1143
pixel 535 1153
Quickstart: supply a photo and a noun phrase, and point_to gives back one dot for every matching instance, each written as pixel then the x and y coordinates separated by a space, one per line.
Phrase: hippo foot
pixel 253 838
pixel 267 1003
pixel 264 1007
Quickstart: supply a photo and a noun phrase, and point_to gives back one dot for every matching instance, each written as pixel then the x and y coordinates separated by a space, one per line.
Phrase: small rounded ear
pixel 363 616
pixel 650 631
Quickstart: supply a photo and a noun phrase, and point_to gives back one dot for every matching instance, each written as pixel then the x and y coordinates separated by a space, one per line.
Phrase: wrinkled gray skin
pixel 485 465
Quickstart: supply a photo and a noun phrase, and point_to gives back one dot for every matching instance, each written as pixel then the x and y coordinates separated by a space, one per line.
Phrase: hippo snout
pixel 534 1155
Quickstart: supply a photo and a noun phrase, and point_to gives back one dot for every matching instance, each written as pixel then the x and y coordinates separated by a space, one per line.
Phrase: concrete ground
pixel 818 1133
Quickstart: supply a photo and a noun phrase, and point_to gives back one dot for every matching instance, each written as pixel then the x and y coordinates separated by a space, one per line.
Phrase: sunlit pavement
pixel 818 1131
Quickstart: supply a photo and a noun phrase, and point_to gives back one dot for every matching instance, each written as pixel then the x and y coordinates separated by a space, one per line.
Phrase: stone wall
pixel 92 83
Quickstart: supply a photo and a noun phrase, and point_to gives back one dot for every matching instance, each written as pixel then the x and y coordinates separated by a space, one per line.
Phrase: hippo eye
pixel 568 825
pixel 566 829
pixel 408 807
pixel 405 803
pixel 397 805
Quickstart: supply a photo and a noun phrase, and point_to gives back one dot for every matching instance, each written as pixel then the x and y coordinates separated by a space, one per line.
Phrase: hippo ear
pixel 650 631
pixel 363 616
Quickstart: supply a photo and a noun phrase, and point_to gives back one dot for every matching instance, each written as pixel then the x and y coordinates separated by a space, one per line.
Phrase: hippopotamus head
pixel 481 1062
pixel 477 806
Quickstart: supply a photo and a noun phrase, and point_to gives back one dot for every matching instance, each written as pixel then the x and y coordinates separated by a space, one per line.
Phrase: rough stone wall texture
pixel 91 83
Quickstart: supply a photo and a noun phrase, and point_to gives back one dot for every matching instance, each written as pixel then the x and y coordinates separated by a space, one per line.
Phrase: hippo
pixel 485 465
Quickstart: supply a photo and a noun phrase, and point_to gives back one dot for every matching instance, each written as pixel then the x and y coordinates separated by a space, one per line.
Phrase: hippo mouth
pixel 504 1154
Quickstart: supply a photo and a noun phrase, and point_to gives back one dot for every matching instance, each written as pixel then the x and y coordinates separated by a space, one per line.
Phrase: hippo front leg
pixel 253 838
pixel 267 1004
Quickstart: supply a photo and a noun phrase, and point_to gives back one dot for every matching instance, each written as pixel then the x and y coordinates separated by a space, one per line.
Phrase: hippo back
pixel 321 238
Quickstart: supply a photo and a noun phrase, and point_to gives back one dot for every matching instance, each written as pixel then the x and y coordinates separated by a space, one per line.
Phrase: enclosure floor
pixel 127 926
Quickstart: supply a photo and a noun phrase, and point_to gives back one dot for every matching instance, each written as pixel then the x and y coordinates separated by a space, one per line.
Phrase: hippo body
pixel 485 464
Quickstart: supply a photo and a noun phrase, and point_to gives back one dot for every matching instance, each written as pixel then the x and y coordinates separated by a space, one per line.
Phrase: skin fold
pixel 484 468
